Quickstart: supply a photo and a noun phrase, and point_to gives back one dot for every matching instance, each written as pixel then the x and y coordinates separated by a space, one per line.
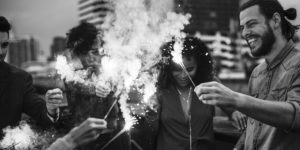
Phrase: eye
pixel 4 45
pixel 189 69
pixel 95 52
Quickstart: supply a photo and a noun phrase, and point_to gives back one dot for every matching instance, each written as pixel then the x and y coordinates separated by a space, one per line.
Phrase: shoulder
pixel 293 59
pixel 259 69
pixel 18 73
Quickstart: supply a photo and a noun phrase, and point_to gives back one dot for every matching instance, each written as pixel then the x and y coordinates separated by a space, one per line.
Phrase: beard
pixel 267 41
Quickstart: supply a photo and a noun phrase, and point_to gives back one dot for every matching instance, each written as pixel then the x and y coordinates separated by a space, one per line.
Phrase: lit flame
pixel 129 123
pixel 67 70
pixel 177 53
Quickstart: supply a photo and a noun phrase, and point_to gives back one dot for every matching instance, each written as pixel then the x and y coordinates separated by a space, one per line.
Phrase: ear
pixel 277 20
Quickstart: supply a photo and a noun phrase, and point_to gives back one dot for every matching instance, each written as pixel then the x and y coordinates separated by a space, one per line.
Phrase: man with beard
pixel 273 109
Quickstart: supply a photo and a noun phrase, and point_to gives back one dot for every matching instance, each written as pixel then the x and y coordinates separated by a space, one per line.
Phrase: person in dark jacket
pixel 17 94
pixel 184 122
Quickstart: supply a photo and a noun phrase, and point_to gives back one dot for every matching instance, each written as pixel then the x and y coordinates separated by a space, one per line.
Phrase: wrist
pixel 69 141
pixel 239 100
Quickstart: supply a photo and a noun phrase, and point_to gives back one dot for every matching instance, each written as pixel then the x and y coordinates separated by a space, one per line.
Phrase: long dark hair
pixel 269 7
pixel 193 47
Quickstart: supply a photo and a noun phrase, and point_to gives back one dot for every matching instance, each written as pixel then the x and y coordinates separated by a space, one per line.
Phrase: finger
pixel 96 121
pixel 244 119
pixel 204 90
pixel 55 96
pixel 54 101
pixel 240 124
pixel 102 91
pixel 209 84
pixel 210 102
pixel 55 91
pixel 208 97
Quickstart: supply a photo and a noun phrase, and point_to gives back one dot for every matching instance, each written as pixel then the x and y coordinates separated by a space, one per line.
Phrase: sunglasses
pixel 4 45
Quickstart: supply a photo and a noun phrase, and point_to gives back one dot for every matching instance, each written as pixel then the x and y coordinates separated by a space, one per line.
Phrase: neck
pixel 277 47
pixel 183 88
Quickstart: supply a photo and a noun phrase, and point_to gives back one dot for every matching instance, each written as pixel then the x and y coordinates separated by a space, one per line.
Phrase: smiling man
pixel 273 108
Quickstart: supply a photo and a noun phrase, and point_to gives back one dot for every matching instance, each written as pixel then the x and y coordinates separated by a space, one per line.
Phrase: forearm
pixel 274 113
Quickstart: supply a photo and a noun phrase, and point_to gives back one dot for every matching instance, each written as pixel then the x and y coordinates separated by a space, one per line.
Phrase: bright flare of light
pixel 22 136
pixel 129 123
pixel 177 53
pixel 67 70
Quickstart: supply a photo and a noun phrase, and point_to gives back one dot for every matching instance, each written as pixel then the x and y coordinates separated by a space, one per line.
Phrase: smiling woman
pixel 184 122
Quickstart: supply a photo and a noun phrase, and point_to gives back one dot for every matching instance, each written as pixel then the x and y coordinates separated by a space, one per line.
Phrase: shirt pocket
pixel 279 94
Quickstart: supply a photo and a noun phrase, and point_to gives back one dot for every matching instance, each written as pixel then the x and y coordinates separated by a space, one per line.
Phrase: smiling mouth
pixel 252 42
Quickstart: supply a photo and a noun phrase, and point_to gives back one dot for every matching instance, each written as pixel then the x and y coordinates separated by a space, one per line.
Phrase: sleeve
pixel 293 97
pixel 33 105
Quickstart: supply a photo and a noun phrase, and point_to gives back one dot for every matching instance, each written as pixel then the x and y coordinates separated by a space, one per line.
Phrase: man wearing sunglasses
pixel 17 94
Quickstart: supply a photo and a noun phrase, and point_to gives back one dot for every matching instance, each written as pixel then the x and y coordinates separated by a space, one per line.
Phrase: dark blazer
pixel 17 95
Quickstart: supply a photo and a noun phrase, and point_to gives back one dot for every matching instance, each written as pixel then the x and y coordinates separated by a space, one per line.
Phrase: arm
pixel 33 105
pixel 284 115
pixel 88 131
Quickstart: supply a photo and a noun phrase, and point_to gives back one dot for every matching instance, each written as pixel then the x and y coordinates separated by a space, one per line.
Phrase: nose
pixel 183 74
pixel 245 32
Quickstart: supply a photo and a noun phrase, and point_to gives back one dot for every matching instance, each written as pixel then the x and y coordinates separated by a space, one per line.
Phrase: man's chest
pixel 272 84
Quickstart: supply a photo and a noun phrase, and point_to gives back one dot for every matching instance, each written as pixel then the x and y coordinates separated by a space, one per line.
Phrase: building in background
pixel 210 16
pixel 58 46
pixel 23 50
pixel 94 11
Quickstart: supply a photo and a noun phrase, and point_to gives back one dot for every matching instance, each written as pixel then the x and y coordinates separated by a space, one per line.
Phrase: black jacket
pixel 17 96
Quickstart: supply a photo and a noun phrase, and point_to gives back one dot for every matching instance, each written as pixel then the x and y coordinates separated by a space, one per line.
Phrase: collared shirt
pixel 276 80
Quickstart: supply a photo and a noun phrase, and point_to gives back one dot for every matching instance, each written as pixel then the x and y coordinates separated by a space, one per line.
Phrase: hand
pixel 102 90
pixel 153 103
pixel 239 120
pixel 54 99
pixel 86 132
pixel 214 93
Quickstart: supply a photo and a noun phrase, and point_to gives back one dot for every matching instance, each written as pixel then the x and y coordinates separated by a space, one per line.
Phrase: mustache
pixel 251 36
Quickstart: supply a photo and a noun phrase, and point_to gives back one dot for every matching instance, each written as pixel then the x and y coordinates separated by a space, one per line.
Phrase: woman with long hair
pixel 184 122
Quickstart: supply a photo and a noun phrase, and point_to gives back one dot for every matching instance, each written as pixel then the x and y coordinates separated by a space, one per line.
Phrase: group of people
pixel 184 112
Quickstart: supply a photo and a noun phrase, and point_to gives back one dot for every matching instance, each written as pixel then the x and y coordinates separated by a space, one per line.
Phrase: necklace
pixel 183 98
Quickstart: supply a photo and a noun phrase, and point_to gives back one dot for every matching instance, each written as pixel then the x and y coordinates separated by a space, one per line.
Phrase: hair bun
pixel 291 13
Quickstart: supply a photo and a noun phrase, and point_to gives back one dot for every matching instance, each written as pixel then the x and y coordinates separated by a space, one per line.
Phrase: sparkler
pixel 127 127
pixel 177 58
pixel 109 110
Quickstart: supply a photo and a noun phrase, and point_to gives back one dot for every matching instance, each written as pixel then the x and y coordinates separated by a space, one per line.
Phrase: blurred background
pixel 40 27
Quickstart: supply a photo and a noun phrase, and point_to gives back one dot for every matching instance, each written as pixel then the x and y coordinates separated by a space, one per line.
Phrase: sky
pixel 42 19
pixel 45 19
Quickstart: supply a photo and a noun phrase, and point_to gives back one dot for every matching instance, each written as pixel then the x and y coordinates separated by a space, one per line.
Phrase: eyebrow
pixel 249 21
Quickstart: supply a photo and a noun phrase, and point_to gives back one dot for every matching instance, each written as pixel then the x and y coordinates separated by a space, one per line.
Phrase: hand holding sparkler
pixel 53 99
pixel 102 89
pixel 86 132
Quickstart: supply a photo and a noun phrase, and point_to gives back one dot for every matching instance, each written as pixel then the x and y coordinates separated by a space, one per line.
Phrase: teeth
pixel 251 40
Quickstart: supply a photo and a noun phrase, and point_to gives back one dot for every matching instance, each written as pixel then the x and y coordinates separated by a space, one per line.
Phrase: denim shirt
pixel 276 80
